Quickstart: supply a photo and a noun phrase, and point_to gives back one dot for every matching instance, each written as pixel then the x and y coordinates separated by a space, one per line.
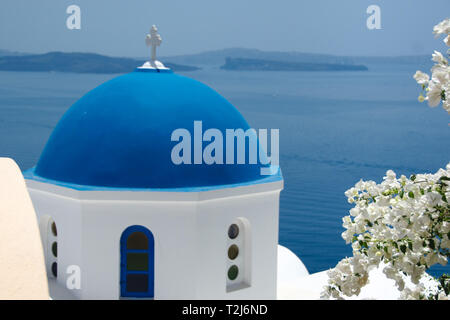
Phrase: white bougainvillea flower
pixel 402 224
pixel 442 27
pixel 434 93
pixel 421 77
pixel 446 104
pixel 439 58
pixel 437 89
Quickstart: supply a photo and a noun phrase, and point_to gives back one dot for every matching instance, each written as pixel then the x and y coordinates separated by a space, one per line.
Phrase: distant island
pixel 243 64
pixel 217 57
pixel 241 59
pixel 77 63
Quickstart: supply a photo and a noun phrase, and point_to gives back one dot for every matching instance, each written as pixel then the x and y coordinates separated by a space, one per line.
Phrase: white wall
pixel 66 213
pixel 214 218
pixel 173 227
pixel 190 231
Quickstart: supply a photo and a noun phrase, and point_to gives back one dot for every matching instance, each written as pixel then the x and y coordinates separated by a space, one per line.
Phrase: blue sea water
pixel 335 128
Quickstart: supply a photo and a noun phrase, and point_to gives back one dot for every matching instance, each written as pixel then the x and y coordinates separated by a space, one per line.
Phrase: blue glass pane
pixel 137 282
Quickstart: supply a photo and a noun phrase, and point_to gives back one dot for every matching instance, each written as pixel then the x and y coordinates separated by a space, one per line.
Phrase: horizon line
pixel 14 52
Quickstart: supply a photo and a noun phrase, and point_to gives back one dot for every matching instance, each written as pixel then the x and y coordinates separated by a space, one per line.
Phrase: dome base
pixel 153 64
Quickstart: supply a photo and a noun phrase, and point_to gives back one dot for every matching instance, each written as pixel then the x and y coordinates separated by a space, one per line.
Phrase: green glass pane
pixel 233 252
pixel 55 249
pixel 233 272
pixel 137 261
pixel 138 241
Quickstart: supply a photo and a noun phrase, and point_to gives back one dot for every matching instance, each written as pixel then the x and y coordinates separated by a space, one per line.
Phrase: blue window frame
pixel 137 267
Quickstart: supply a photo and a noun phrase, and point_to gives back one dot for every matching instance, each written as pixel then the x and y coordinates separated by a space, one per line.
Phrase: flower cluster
pixel 437 88
pixel 401 225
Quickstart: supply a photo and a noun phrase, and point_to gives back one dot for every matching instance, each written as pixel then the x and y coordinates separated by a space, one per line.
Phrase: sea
pixel 335 129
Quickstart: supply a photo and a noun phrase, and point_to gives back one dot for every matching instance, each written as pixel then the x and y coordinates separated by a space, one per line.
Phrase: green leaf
pixel 363 244
pixel 411 194
pixel 413 177
pixel 403 248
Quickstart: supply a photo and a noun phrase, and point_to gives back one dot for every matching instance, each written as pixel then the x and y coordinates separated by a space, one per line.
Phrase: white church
pixel 110 201
pixel 119 220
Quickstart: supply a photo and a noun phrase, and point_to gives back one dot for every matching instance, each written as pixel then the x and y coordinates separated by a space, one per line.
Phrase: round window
pixel 55 249
pixel 233 231
pixel 233 251
pixel 233 272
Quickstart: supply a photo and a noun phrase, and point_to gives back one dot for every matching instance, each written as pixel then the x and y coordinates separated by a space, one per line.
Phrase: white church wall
pixel 214 218
pixel 173 228
pixel 66 213
pixel 190 231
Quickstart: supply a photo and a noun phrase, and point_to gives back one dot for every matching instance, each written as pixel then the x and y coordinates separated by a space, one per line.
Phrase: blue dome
pixel 119 135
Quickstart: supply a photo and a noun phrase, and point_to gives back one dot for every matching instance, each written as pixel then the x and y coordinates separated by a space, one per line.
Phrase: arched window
pixel 137 263
pixel 238 255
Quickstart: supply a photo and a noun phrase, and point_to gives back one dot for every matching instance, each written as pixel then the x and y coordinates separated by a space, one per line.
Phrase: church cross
pixel 154 40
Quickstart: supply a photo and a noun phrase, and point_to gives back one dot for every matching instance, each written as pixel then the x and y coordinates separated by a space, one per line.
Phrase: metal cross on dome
pixel 154 40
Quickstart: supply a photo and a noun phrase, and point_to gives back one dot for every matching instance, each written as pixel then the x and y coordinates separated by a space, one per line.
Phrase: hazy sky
pixel 118 27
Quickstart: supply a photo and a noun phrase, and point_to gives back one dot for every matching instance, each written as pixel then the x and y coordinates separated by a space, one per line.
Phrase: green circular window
pixel 54 231
pixel 55 269
pixel 233 251
pixel 55 249
pixel 233 231
pixel 233 272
